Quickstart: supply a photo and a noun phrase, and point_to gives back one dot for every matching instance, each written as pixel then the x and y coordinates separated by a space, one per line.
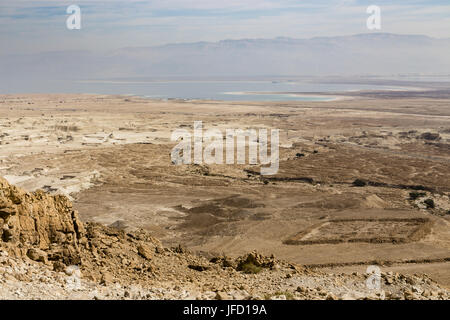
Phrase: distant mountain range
pixel 377 53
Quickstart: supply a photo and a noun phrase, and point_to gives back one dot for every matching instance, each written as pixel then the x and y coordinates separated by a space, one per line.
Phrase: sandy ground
pixel 111 155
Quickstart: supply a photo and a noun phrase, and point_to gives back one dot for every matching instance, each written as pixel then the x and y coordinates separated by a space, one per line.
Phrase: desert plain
pixel 362 181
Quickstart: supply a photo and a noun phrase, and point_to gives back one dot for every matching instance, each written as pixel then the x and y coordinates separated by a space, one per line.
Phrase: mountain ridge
pixel 376 53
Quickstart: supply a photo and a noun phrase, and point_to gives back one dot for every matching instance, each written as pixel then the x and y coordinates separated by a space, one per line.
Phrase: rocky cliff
pixel 38 225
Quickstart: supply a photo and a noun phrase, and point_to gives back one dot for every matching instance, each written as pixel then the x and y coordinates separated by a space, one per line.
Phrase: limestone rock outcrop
pixel 38 221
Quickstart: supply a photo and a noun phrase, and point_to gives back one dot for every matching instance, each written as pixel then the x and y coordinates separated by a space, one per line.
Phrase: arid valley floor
pixel 363 181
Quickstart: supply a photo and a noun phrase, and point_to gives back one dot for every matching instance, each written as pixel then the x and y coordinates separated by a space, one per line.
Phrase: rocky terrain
pixel 361 182
pixel 48 253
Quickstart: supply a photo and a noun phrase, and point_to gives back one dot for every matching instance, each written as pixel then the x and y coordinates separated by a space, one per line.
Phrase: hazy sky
pixel 34 26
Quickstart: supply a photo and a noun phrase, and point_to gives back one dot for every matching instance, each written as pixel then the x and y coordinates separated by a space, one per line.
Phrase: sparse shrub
pixel 250 268
pixel 254 263
pixel 429 203
pixel 430 136
pixel 416 195
pixel 65 128
pixel 299 155
pixel 359 183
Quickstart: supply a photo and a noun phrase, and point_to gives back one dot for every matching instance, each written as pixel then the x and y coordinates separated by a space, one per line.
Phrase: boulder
pixel 222 296
pixel 37 255
pixel 107 278
pixel 144 251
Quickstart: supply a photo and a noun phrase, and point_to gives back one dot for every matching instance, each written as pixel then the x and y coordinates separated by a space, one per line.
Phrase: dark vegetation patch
pixel 429 203
pixel 416 195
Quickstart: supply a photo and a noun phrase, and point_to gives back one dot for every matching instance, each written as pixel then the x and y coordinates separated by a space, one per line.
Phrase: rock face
pixel 37 221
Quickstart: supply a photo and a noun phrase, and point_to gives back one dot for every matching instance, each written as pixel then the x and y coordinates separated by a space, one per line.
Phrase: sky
pixel 39 26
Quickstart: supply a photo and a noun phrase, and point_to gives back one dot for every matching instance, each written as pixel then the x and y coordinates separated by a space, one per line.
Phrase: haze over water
pixel 262 90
